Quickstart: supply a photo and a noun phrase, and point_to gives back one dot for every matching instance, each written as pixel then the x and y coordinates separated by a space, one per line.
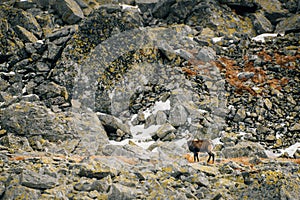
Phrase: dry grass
pixel 232 69
pixel 133 161
pixel 240 160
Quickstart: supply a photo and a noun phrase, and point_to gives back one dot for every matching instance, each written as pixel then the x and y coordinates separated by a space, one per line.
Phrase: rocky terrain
pixel 97 98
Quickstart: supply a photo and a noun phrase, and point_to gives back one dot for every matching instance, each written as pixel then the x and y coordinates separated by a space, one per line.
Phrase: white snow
pixel 129 7
pixel 290 151
pixel 141 135
pixel 139 132
pixel 159 105
pixel 217 39
pixel 217 141
pixel 262 37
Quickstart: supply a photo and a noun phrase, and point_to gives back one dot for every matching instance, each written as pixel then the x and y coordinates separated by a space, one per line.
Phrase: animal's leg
pixel 211 154
pixel 209 157
pixel 196 158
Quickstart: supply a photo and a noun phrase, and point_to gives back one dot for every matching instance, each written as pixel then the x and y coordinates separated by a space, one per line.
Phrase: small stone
pixel 160 118
pixel 240 115
pixel 245 75
pixel 141 117
pixel 278 143
pixel 2 132
pixel 258 90
pixel 209 170
pixel 164 130
pixel 295 127
pixel 271 137
pixel 120 133
pixel 268 104
pixel 291 100
pixel 25 34
pixel 255 160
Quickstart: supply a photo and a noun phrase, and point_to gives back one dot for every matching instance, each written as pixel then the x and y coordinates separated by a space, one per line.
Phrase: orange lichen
pixel 282 60
pixel 241 160
pixel 259 78
pixel 232 71
pixel 19 158
pixel 264 55
pixel 189 72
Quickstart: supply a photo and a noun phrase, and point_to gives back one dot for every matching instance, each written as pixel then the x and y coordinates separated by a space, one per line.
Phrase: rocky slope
pixel 97 98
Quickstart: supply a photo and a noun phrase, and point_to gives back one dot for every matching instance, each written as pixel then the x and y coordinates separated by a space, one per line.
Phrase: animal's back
pixel 204 145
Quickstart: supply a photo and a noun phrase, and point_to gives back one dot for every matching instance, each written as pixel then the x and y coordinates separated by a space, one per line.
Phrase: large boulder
pixel 25 35
pixel 32 118
pixel 261 23
pixel 244 149
pixel 178 116
pixel 77 131
pixel 114 127
pixel 19 191
pixel 289 24
pixel 35 180
pixel 69 10
pixel 273 9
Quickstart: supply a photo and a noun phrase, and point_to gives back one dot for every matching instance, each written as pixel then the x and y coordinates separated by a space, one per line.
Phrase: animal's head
pixel 189 136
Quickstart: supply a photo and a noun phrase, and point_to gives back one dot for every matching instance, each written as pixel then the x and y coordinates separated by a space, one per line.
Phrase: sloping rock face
pixel 42 129
pixel 97 98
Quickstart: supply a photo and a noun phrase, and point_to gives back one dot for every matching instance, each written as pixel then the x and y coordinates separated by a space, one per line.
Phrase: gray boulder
pixel 25 35
pixel 146 5
pixel 241 3
pixel 77 131
pixel 21 192
pixel 206 54
pixel 119 191
pixel 26 20
pixel 89 130
pixel 244 149
pixel 114 126
pixel 35 180
pixel 178 115
pixel 289 24
pixel 273 10
pixel 50 90
pixel 160 117
pixel 163 131
pixel 130 150
pixel 33 118
pixel 261 23
pixel 69 10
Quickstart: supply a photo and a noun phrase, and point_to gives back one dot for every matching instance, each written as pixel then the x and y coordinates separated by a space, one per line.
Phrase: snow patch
pixel 262 37
pixel 158 106
pixel 290 151
pixel 144 145
pixel 216 39
pixel 141 135
pixel 129 7
pixel 139 132
pixel 217 141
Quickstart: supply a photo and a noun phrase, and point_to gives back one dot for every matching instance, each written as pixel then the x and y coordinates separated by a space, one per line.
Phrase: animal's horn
pixel 188 136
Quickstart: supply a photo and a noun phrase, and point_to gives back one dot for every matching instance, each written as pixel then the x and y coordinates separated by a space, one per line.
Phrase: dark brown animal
pixel 197 146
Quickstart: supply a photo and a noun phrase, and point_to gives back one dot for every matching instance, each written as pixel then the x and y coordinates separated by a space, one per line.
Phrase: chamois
pixel 197 146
